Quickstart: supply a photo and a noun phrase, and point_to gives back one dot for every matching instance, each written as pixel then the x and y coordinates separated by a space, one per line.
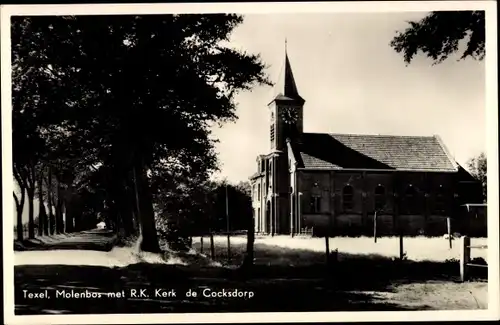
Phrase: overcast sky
pixel 353 82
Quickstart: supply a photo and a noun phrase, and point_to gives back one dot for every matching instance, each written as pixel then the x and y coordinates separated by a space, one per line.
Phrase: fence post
pixel 212 246
pixel 401 248
pixel 464 257
pixel 448 226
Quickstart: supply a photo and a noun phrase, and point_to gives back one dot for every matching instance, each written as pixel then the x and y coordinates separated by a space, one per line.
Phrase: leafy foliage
pixel 438 35
pixel 117 110
pixel 478 168
pixel 203 209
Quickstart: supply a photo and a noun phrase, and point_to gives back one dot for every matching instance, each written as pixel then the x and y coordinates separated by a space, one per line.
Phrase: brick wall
pixel 357 219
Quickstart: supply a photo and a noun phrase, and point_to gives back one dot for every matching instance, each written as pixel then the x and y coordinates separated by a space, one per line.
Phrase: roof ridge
pixel 374 135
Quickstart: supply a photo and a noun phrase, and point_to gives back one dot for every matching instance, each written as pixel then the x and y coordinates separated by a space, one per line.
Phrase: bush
pixel 174 235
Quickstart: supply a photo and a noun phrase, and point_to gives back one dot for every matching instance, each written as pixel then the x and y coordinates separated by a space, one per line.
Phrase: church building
pixel 336 183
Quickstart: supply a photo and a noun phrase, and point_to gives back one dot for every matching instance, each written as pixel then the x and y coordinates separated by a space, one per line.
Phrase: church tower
pixel 286 111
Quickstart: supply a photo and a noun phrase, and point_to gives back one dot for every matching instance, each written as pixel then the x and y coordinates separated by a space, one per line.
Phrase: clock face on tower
pixel 289 115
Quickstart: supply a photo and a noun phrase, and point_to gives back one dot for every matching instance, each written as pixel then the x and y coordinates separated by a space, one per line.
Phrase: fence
pixel 465 257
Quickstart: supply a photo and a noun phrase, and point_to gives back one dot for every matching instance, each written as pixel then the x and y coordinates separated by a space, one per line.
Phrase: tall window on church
pixel 258 192
pixel 315 204
pixel 258 220
pixel 439 205
pixel 379 197
pixel 270 184
pixel 348 197
pixel 410 201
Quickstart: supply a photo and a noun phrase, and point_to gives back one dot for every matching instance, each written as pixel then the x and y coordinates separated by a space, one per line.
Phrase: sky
pixel 353 82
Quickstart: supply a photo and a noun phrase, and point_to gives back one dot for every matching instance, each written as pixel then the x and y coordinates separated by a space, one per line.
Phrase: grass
pixel 427 280
pixel 417 249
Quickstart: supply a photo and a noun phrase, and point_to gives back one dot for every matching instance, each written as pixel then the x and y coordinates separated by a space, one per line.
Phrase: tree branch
pixel 18 205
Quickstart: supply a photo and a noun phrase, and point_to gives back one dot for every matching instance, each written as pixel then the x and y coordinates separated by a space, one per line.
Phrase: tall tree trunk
pixel 19 210
pixel 132 205
pixel 70 210
pixel 126 214
pixel 31 182
pixel 77 213
pixel 19 203
pixel 149 241
pixel 69 222
pixel 59 210
pixel 42 214
pixel 52 221
pixel 31 212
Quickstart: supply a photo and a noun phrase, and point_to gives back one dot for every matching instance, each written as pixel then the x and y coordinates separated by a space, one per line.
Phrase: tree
pixel 19 201
pixel 438 35
pixel 135 131
pixel 477 167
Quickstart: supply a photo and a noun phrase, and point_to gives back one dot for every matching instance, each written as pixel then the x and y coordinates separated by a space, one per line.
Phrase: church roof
pixel 384 152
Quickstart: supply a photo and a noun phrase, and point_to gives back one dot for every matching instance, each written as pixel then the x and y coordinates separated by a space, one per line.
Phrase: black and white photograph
pixel 258 161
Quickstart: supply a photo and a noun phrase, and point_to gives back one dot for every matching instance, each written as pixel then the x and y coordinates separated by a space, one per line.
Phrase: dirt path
pixel 97 239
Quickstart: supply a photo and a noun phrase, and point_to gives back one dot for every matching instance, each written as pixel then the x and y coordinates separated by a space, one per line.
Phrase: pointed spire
pixel 290 86
pixel 289 91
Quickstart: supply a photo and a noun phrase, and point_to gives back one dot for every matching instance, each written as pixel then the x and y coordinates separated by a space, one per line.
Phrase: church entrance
pixel 268 217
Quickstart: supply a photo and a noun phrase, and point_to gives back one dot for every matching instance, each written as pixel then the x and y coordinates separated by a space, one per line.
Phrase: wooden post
pixel 401 248
pixel 375 227
pixel 227 226
pixel 210 224
pixel 327 239
pixel 464 257
pixel 327 245
pixel 448 226
pixel 212 246
pixel 201 244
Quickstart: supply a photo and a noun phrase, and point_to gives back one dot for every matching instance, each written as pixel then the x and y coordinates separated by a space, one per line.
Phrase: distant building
pixel 336 182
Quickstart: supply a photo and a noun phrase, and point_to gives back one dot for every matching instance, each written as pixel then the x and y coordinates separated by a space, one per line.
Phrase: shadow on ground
pixel 96 239
pixel 304 285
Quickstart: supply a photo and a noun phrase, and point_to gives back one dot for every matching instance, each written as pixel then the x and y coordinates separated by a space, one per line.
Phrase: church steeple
pixel 289 92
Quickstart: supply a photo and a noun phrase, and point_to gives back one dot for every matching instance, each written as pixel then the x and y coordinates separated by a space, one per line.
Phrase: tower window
pixel 258 192
pixel 272 132
pixel 379 197
pixel 348 197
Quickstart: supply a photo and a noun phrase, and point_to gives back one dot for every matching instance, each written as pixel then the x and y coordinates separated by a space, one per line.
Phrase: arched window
pixel 439 203
pixel 348 197
pixel 379 198
pixel 410 201
pixel 258 192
